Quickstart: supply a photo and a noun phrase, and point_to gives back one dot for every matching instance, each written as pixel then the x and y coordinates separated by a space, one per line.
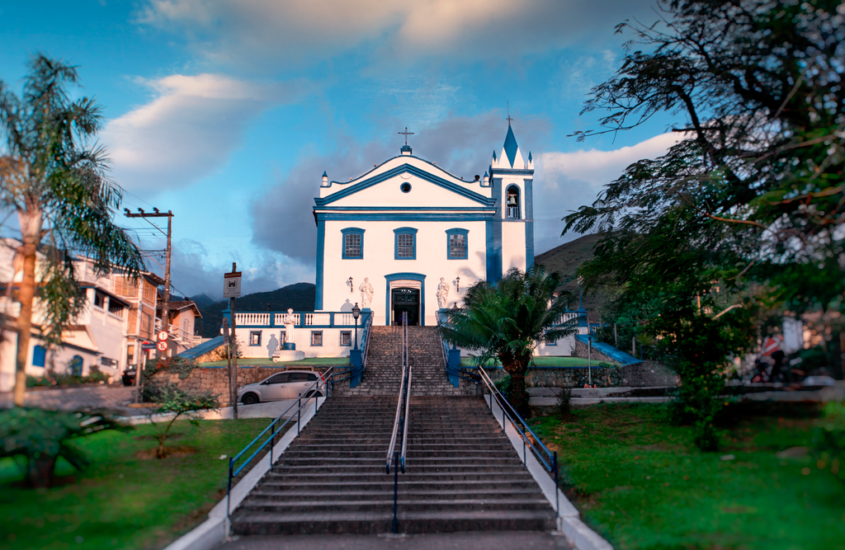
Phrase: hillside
pixel 299 296
pixel 567 258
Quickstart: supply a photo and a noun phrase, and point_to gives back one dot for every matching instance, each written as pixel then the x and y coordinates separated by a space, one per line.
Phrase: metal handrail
pixel 397 422
pixel 521 427
pixel 313 389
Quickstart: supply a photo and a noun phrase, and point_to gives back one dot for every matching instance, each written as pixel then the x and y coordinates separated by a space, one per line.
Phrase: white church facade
pixel 409 236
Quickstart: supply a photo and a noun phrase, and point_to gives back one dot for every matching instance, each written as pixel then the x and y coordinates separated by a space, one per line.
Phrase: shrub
pixel 172 399
pixel 42 436
pixel 52 378
pixel 177 364
pixel 829 439
pixel 564 404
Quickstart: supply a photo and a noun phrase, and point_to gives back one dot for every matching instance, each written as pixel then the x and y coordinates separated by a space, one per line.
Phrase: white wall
pixel 513 246
pixel 379 261
pixel 301 336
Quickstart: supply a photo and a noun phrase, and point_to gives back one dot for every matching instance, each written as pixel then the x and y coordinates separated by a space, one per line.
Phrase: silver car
pixel 285 385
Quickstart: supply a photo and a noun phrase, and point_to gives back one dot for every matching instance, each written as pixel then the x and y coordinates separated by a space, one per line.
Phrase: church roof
pixel 511 147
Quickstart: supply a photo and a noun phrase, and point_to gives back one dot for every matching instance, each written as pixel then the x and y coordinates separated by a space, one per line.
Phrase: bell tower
pixel 512 179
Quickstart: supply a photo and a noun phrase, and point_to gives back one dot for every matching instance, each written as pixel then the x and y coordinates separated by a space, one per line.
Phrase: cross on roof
pixel 406 133
pixel 509 119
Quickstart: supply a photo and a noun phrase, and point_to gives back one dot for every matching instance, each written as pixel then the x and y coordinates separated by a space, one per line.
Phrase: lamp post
pixel 356 312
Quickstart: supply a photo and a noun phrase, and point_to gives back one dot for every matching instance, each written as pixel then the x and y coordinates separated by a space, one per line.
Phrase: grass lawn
pixel 122 501
pixel 642 484
pixel 539 361
pixel 265 362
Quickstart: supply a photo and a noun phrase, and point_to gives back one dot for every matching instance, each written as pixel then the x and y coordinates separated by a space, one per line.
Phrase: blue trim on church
pixel 529 223
pixel 321 249
pixel 405 168
pixel 497 232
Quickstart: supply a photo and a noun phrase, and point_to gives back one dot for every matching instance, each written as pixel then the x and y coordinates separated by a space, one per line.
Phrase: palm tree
pixel 508 319
pixel 53 176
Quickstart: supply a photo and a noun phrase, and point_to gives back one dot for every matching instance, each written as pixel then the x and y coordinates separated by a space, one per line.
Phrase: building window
pixel 512 201
pixel 125 286
pixel 99 299
pixel 316 338
pixel 116 308
pixel 146 325
pixel 149 294
pixel 255 338
pixel 353 243
pixel 457 244
pixel 406 243
pixel 550 342
pixel 346 338
pixel 76 365
pixel 39 356
pixel 405 187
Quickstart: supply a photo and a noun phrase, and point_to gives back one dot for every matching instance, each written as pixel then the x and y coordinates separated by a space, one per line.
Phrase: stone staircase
pixel 384 365
pixel 462 473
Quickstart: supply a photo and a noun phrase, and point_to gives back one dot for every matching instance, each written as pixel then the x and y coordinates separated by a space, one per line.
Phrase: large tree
pixel 53 175
pixel 747 208
pixel 507 320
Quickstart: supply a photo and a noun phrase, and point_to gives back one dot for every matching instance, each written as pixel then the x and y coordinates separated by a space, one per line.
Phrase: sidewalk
pixel 114 398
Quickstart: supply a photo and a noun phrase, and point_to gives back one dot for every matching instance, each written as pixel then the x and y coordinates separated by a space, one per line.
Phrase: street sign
pixel 162 335
pixel 162 346
pixel 232 285
pixel 147 345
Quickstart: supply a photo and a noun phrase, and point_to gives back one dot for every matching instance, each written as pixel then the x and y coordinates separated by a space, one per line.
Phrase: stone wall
pixel 582 350
pixel 645 374
pixel 217 354
pixel 648 373
pixel 215 379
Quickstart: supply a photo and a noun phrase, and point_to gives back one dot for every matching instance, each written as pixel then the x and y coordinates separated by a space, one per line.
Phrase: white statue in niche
pixel 443 294
pixel 367 291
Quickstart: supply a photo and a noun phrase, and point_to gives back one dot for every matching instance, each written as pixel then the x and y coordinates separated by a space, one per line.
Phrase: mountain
pixel 299 296
pixel 567 258
pixel 202 300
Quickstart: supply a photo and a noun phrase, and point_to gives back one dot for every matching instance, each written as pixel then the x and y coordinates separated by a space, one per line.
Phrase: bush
pixel 829 439
pixel 51 378
pixel 564 404
pixel 41 437
pixel 172 399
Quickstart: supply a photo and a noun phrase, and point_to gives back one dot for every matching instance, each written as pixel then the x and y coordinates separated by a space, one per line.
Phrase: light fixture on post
pixel 351 285
pixel 458 283
pixel 356 312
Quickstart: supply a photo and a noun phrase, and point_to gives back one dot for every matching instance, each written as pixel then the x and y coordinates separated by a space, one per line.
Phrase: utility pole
pixel 165 306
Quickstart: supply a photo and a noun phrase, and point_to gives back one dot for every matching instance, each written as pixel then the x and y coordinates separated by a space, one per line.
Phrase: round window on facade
pixel 405 187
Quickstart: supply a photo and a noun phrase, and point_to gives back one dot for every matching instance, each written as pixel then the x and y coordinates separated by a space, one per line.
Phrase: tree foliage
pixel 172 399
pixel 41 437
pixel 508 319
pixel 54 176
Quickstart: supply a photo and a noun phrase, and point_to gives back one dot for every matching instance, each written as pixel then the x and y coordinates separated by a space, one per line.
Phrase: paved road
pixel 485 540
pixel 72 399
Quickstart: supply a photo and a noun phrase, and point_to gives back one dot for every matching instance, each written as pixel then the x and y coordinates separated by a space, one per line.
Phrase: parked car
pixel 129 377
pixel 285 385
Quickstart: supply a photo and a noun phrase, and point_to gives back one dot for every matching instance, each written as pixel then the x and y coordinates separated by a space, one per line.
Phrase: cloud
pixel 566 181
pixel 281 217
pixel 193 273
pixel 189 129
pixel 290 31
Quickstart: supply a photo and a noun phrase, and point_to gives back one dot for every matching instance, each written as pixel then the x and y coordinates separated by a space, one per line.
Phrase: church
pixel 407 237
pixel 410 237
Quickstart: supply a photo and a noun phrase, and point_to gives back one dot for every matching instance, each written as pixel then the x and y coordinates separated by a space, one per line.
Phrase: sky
pixel 227 113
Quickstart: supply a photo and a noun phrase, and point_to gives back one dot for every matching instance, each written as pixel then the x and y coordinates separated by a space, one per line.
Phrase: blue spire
pixel 530 158
pixel 494 154
pixel 485 173
pixel 324 174
pixel 511 145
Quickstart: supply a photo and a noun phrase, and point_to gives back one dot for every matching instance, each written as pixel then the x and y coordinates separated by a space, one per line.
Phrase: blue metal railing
pixel 312 392
pixel 547 458
pixel 400 424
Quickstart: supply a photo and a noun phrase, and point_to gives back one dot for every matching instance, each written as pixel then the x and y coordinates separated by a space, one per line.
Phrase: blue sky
pixel 227 113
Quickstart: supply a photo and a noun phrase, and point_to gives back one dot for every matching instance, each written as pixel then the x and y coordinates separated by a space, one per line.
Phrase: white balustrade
pixel 279 319
pixel 344 319
pixel 318 319
pixel 252 319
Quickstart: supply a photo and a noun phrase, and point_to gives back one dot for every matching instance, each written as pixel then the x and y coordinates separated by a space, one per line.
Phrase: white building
pixel 413 236
pixel 407 236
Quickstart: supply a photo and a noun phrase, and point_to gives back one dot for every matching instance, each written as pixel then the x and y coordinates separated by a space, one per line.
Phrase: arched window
pixel 353 243
pixel 39 356
pixel 512 203
pixel 76 365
